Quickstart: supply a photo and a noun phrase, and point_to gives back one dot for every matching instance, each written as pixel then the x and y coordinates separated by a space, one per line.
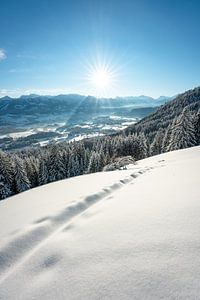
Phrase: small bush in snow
pixel 119 163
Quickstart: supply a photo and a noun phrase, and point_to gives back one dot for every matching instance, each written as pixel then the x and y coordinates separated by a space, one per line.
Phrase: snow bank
pixel 131 234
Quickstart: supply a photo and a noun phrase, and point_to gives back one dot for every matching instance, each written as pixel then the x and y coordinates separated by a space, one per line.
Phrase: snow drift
pixel 131 234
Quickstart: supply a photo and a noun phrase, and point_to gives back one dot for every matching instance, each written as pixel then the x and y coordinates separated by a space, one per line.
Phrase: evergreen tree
pixel 56 167
pixel 5 190
pixel 6 176
pixel 43 174
pixel 93 163
pixel 156 146
pixel 144 146
pixel 100 160
pixel 197 127
pixel 136 148
pixel 22 182
pixel 32 169
pixel 183 132
pixel 167 136
pixel 75 166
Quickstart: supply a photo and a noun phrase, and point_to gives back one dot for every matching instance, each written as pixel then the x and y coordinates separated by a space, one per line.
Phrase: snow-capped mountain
pixel 127 234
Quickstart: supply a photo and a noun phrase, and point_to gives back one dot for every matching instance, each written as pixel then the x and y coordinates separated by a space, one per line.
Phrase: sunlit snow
pixel 129 234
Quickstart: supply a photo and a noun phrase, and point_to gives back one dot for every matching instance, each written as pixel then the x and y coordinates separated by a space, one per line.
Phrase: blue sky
pixel 48 47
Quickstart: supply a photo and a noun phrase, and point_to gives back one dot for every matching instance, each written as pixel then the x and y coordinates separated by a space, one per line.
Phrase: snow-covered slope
pixel 130 234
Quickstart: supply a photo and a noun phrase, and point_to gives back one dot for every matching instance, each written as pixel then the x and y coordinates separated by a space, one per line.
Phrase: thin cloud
pixel 2 54
pixel 19 70
pixel 26 56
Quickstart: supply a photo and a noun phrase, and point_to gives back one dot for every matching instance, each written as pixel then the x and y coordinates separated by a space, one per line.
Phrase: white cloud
pixel 2 54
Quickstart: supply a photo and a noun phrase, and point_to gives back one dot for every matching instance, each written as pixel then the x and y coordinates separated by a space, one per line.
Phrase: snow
pixel 131 234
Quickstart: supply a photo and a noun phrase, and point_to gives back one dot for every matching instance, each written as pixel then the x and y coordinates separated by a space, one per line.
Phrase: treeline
pixel 26 169
pixel 23 170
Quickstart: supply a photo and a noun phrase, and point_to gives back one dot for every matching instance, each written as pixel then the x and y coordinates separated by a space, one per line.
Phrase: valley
pixel 40 120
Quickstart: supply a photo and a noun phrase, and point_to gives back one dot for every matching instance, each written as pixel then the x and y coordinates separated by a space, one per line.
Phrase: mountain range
pixel 42 105
pixel 32 120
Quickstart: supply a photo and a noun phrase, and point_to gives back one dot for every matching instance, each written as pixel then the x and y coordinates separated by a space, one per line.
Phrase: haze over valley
pixel 35 120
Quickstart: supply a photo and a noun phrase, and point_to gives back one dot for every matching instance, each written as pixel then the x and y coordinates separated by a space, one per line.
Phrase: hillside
pixel 131 234
pixel 164 116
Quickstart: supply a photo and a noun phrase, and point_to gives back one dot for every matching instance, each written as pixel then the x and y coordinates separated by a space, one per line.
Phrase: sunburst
pixel 101 77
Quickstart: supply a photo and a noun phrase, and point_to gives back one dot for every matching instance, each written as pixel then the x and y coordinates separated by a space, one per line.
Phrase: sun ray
pixel 101 76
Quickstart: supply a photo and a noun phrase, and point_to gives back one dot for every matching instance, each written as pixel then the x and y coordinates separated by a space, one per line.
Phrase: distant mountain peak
pixel 6 98
pixel 162 98
pixel 29 96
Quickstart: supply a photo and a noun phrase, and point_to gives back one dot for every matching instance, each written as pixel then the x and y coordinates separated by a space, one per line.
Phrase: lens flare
pixel 101 77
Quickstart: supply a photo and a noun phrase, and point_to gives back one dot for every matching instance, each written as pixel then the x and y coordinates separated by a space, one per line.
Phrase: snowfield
pixel 131 234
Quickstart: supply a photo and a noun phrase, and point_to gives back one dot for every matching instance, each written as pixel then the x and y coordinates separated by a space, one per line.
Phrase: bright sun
pixel 101 78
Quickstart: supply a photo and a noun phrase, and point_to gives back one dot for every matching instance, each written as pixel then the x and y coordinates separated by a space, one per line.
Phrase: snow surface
pixel 131 234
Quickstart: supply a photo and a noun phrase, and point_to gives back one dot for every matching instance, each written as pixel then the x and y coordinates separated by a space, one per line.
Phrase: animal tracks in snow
pixel 26 242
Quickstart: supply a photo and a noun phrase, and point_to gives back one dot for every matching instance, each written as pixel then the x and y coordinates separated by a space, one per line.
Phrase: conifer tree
pixel 6 176
pixel 144 145
pixel 167 136
pixel 43 175
pixel 75 166
pixel 156 146
pixel 183 132
pixel 56 166
pixel 197 127
pixel 22 182
pixel 5 190
pixel 32 169
pixel 92 167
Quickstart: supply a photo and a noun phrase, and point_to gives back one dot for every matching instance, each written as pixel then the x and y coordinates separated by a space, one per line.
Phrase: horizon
pixel 100 48
pixel 53 94
pixel 76 94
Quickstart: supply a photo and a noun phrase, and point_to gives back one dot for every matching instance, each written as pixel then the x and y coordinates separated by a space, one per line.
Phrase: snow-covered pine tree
pixel 93 164
pixel 156 146
pixel 86 159
pixel 32 169
pixel 75 166
pixel 128 145
pixel 100 160
pixel 183 132
pixel 22 182
pixel 117 146
pixel 65 159
pixel 197 127
pixel 167 136
pixel 43 174
pixel 144 146
pixel 5 190
pixel 6 176
pixel 138 150
pixel 81 166
pixel 56 167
